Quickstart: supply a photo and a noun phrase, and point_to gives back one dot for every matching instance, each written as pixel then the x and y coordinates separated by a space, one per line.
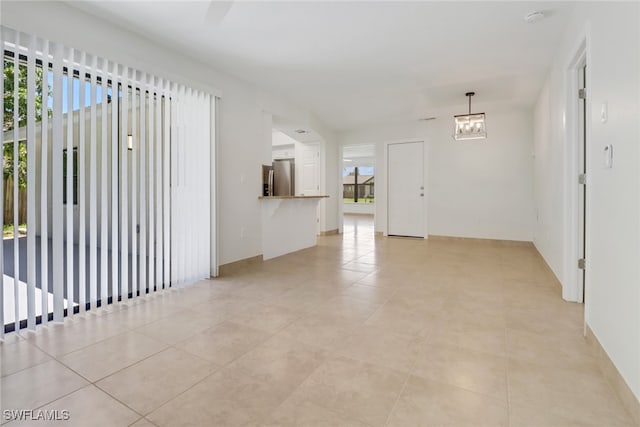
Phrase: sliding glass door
pixel 106 182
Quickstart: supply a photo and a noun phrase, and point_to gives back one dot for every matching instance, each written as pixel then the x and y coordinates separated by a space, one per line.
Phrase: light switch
pixel 604 113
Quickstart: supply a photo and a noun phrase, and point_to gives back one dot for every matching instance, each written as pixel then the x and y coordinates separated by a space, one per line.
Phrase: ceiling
pixel 363 62
pixel 293 130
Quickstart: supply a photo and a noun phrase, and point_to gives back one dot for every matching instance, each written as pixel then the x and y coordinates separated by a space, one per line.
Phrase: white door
pixel 310 175
pixel 405 189
pixel 310 179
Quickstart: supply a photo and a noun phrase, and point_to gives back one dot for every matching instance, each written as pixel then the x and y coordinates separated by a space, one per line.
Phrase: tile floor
pixel 358 331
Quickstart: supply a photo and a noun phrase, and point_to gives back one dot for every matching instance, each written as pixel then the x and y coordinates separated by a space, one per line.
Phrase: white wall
pixel 549 179
pixel 331 185
pixel 612 307
pixel 241 109
pixel 483 188
pixel 479 189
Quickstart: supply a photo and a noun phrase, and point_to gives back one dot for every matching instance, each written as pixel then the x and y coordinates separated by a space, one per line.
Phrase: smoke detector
pixel 534 17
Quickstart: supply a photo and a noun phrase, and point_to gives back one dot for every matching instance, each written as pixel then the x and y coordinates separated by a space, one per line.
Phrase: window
pixel 358 184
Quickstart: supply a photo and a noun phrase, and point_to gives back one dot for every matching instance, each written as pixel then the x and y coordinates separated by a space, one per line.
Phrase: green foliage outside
pixel 7 230
pixel 8 120
pixel 7 163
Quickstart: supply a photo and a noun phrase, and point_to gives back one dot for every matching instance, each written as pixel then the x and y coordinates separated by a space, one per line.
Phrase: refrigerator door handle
pixel 271 182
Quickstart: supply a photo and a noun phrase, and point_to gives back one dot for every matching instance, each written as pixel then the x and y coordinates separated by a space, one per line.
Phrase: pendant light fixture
pixel 469 126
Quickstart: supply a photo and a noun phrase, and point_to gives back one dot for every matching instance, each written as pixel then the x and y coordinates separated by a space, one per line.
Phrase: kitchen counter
pixel 289 224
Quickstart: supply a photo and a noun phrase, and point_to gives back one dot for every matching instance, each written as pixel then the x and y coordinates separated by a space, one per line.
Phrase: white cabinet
pixel 283 152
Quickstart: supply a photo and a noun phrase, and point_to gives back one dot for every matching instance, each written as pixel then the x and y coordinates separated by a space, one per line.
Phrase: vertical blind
pixel 105 191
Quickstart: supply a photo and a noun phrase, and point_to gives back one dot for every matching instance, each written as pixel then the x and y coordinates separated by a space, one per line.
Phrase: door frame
pixel 572 289
pixel 339 188
pixel 385 184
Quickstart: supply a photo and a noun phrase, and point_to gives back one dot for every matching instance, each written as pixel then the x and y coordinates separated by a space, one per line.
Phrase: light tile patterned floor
pixel 358 331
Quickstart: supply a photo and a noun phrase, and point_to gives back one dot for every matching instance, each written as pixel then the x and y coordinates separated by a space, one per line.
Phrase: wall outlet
pixel 242 232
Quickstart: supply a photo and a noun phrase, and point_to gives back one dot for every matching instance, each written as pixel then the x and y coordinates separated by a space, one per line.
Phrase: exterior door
pixel 405 189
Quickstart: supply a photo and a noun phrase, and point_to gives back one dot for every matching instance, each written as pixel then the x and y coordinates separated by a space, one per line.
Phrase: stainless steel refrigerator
pixel 284 177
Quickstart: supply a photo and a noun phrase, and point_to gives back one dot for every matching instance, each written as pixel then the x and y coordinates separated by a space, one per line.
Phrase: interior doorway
pixel 359 190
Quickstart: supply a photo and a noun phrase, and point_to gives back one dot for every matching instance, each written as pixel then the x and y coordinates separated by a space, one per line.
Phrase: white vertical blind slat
pixel 151 201
pixel 194 148
pixel 143 185
pixel 181 187
pixel 199 193
pixel 206 254
pixel 203 172
pixel 205 190
pixel 15 177
pixel 134 188
pixel 176 218
pixel 192 151
pixel 44 189
pixel 194 190
pixel 124 187
pixel 166 197
pixel 82 186
pixel 193 135
pixel 115 100
pixel 213 258
pixel 56 187
pixel 93 187
pixel 31 185
pixel 104 189
pixel 174 188
pixel 69 185
pixel 188 134
pixel 188 150
pixel 158 187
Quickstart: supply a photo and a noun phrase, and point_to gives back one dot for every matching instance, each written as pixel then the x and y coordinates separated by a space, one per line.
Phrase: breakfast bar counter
pixel 289 224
